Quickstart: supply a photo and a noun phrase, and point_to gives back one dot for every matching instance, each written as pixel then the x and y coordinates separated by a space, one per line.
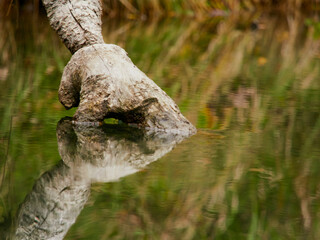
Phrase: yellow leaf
pixel 262 61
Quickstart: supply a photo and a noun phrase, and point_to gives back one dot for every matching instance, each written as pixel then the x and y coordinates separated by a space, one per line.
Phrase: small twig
pixel 9 8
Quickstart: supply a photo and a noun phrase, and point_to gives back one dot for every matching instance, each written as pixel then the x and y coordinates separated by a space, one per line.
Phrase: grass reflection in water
pixel 249 83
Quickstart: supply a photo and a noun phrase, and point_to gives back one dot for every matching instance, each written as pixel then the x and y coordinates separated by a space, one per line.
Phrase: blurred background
pixel 245 72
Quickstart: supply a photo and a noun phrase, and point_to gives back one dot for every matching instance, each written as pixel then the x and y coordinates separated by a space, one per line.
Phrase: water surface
pixel 251 86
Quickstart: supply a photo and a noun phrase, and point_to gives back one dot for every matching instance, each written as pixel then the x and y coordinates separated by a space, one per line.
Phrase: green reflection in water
pixel 249 83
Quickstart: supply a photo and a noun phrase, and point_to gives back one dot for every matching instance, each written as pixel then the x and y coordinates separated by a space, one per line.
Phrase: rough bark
pixel 101 79
pixel 89 154
pixel 78 23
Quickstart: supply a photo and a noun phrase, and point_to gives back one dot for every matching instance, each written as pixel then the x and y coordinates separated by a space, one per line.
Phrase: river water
pixel 250 84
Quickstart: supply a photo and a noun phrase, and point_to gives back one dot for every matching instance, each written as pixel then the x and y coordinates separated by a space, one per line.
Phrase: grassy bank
pixel 167 8
pixel 201 8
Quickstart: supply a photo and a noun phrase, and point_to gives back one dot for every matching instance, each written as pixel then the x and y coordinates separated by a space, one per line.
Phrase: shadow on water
pixel 89 155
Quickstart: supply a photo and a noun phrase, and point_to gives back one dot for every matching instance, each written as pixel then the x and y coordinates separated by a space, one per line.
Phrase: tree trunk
pixel 100 78
pixel 78 23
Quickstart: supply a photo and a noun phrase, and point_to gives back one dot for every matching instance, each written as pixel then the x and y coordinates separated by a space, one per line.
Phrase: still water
pixel 249 83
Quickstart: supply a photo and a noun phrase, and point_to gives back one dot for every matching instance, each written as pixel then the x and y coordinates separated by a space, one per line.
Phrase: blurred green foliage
pixel 201 8
pixel 249 82
pixel 143 9
pixel 316 25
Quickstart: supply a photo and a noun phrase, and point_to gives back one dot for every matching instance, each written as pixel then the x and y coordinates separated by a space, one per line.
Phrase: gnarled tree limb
pixel 100 78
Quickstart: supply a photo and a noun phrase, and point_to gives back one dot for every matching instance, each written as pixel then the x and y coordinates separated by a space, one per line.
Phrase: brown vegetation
pixel 163 8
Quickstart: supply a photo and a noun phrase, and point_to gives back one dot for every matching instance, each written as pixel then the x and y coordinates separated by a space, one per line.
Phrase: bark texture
pixel 89 154
pixel 104 83
pixel 100 78
pixel 77 22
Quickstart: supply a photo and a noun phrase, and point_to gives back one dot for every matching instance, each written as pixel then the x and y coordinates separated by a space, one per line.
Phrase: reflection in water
pixel 89 154
pixel 258 178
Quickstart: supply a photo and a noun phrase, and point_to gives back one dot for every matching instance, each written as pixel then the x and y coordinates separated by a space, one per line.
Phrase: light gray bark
pixel 112 86
pixel 78 23
pixel 101 79
pixel 90 154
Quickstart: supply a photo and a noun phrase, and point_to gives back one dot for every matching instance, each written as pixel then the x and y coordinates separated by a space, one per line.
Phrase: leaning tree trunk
pixel 100 78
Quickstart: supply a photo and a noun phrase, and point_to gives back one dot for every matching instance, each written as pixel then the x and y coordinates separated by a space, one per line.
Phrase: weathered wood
pixel 103 81
pixel 78 23
pixel 100 78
